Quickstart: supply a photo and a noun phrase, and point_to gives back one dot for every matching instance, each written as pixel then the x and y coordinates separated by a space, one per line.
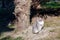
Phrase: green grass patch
pixel 51 4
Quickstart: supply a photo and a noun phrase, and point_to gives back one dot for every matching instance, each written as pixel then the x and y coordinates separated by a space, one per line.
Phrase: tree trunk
pixel 22 13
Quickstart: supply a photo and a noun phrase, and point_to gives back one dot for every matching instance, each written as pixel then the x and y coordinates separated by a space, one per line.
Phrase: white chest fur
pixel 40 25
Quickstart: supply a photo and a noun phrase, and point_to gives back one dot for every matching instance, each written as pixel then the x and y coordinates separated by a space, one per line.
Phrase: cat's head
pixel 39 19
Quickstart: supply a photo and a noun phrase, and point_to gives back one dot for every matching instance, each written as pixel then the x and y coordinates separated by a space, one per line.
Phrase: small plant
pixel 51 30
pixel 19 38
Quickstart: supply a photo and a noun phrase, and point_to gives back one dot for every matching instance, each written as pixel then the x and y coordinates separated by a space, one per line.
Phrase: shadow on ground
pixel 6 15
pixel 44 12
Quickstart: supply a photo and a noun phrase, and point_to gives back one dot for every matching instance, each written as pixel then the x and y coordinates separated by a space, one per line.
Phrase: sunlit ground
pixel 52 21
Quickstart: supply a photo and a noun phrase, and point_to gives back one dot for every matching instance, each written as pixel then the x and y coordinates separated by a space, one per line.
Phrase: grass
pixel 51 4
pixel 53 35
pixel 10 38
pixel 52 30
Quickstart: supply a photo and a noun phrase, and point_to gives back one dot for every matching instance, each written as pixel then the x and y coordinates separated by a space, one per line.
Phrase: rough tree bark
pixel 22 13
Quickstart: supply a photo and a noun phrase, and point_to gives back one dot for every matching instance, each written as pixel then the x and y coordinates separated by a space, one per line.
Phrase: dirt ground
pixel 51 31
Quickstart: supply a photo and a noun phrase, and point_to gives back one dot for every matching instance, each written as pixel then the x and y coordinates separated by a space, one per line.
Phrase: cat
pixel 38 25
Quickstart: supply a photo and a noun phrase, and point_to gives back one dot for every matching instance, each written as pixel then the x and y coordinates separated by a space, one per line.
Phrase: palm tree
pixel 22 12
